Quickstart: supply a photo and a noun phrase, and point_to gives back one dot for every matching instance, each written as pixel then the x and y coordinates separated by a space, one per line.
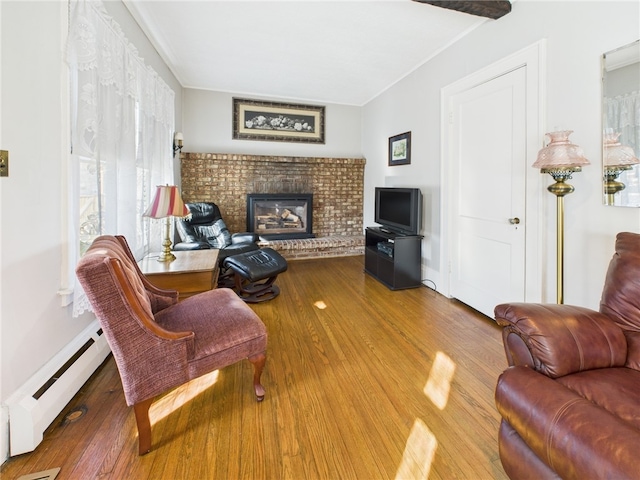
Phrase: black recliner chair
pixel 244 267
pixel 206 229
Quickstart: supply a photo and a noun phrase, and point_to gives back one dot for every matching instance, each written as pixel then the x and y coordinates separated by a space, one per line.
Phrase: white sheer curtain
pixel 122 123
pixel 623 116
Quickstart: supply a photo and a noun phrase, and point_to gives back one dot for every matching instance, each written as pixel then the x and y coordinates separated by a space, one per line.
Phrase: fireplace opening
pixel 275 216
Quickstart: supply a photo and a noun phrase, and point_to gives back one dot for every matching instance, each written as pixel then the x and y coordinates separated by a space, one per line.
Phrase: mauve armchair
pixel 159 344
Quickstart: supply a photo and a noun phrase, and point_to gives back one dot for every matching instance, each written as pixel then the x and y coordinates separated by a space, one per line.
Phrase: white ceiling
pixel 332 51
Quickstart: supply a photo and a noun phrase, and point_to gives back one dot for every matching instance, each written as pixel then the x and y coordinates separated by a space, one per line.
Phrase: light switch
pixel 4 163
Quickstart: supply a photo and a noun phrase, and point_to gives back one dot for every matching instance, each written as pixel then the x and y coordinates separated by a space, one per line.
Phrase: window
pixel 122 123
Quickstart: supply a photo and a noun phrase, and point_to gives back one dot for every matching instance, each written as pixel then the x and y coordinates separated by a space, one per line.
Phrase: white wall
pixel 577 34
pixel 207 127
pixel 34 326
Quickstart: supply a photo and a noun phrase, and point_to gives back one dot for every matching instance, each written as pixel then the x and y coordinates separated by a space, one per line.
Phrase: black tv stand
pixel 392 258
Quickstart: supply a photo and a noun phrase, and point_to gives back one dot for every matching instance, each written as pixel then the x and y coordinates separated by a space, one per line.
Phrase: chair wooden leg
pixel 258 362
pixel 141 410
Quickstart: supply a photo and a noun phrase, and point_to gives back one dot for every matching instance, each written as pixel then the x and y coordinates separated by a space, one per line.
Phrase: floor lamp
pixel 167 203
pixel 560 159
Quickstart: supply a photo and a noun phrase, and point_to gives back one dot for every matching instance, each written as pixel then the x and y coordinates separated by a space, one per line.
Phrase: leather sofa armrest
pixel 191 246
pixel 557 340
pixel 244 237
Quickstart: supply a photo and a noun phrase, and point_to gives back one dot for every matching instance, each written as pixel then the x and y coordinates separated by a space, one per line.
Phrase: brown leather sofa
pixel 570 400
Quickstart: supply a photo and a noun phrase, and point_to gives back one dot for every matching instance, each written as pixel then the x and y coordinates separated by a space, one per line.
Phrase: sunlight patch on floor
pixel 418 453
pixel 181 395
pixel 439 382
pixel 320 305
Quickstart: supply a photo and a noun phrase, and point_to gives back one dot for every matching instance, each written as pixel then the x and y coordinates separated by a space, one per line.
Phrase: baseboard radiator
pixel 40 400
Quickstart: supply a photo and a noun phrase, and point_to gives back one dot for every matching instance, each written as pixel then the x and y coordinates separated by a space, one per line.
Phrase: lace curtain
pixel 622 115
pixel 122 123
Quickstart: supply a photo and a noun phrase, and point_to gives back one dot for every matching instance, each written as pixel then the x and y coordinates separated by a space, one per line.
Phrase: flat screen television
pixel 399 210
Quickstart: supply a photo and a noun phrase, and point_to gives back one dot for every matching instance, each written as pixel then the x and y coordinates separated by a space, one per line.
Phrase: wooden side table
pixel 192 272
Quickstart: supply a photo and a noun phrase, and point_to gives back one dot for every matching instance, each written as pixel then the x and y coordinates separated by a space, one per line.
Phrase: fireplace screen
pixel 280 216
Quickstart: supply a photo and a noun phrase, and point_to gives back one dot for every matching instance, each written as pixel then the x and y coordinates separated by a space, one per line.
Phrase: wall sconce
pixel 617 159
pixel 177 143
pixel 560 159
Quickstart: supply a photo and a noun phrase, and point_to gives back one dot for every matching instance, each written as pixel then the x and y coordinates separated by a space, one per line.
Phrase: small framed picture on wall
pixel 400 149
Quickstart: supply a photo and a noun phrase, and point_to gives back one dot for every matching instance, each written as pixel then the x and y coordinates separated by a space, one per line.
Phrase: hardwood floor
pixel 348 365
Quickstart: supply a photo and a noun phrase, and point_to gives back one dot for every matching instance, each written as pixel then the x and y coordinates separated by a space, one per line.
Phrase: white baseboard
pixel 33 407
pixel 4 433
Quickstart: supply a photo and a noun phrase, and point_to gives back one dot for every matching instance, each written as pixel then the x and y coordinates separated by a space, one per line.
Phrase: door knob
pixel 514 221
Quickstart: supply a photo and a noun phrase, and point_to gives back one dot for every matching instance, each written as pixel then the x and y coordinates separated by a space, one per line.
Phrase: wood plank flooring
pixel 348 365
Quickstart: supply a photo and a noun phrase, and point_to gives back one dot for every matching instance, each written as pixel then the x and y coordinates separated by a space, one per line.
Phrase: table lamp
pixel 167 203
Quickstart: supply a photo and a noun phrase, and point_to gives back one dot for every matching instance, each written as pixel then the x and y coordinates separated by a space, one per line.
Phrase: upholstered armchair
pixel 158 343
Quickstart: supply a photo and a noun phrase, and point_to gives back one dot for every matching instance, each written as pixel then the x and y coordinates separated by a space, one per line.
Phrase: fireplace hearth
pixel 275 216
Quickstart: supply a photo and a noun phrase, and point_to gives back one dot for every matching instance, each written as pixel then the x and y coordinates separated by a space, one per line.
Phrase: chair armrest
pixel 557 340
pixel 197 245
pixel 244 237
pixel 158 297
pixel 136 308
pixel 161 299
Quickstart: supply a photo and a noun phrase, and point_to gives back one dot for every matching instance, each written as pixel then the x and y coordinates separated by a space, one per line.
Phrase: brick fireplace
pixel 337 186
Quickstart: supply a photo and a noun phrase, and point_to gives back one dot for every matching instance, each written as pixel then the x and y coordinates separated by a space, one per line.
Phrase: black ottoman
pixel 255 273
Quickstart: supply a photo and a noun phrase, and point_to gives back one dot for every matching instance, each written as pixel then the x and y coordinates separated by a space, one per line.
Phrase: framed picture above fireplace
pixel 278 122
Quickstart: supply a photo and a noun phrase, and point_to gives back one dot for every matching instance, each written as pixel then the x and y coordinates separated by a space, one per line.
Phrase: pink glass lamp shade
pixel 167 203
pixel 560 158
pixel 617 155
pixel 617 158
pixel 560 153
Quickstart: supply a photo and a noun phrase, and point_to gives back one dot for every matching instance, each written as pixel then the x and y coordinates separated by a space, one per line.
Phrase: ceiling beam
pixel 483 8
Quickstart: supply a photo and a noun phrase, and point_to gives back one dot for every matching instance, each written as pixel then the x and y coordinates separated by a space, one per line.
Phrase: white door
pixel 487 211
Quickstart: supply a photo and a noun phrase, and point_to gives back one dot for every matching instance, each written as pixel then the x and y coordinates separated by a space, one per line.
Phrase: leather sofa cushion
pixel 617 390
pixel 576 438
pixel 518 460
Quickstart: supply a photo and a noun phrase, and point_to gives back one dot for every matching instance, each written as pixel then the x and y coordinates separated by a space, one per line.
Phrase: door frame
pixel 533 58
pixel 4 411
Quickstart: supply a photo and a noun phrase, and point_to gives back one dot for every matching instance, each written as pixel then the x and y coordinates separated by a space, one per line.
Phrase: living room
pixel 36 321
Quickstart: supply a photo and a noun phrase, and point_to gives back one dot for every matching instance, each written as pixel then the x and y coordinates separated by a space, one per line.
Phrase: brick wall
pixel 337 185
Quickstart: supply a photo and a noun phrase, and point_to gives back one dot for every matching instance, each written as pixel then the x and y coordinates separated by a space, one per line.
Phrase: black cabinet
pixel 395 260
